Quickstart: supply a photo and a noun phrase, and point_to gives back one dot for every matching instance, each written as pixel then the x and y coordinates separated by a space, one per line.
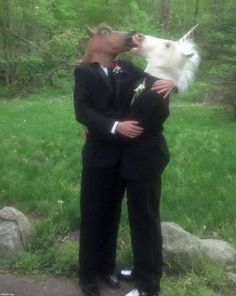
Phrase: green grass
pixel 199 184
pixel 40 159
pixel 40 165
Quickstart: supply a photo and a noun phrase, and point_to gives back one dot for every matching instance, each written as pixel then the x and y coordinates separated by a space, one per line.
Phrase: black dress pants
pixel 145 227
pixel 100 206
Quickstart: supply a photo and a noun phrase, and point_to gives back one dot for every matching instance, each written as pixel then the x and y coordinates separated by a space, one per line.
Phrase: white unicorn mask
pixel 167 59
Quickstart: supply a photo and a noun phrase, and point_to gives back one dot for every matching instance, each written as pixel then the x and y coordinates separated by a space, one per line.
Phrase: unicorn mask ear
pixel 188 53
pixel 90 31
pixel 187 35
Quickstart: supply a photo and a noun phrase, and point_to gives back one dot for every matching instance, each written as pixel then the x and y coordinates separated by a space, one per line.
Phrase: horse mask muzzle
pixel 129 39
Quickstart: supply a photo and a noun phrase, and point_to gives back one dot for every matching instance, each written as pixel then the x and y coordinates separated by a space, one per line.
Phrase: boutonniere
pixel 138 90
pixel 116 69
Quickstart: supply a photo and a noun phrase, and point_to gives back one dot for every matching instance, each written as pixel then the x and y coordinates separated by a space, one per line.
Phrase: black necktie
pixel 111 77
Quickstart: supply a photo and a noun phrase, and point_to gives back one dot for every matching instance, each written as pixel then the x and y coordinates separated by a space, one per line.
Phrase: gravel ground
pixel 14 285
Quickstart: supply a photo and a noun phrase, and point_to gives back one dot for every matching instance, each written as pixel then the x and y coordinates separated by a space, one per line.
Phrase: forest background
pixel 41 39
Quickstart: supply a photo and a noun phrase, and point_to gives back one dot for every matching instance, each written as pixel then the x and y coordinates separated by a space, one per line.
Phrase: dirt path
pixel 12 285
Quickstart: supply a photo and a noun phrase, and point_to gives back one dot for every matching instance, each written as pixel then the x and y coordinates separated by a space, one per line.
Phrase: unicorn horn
pixel 187 35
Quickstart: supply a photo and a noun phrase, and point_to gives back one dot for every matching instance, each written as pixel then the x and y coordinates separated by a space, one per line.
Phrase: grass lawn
pixel 40 166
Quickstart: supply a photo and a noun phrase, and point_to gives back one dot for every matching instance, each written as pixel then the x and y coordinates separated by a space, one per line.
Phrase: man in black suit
pixel 101 102
pixel 143 161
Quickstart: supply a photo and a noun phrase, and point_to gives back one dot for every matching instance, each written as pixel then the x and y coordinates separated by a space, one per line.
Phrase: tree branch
pixel 27 41
pixel 38 47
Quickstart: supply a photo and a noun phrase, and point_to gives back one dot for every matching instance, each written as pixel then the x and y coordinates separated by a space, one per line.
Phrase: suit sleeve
pixel 84 112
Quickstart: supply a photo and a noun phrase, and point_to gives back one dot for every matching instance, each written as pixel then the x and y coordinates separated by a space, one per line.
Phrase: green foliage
pixel 221 50
pixel 40 39
pixel 196 93
pixel 66 259
pixel 136 14
pixel 189 285
pixel 25 263
pixel 214 276
pixel 60 260
pixel 43 237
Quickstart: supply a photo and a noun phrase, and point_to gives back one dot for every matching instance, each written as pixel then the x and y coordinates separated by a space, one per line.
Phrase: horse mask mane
pixel 105 44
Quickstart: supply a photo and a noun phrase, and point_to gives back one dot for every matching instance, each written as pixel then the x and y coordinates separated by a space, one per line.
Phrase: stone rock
pixel 186 249
pixel 10 237
pixel 218 251
pixel 14 229
pixel 232 278
pixel 179 245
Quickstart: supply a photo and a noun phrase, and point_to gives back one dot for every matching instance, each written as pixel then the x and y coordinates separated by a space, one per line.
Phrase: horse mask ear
pixel 90 31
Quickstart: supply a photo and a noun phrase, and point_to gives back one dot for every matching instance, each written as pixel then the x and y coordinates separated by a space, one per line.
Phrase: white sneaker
pixel 134 292
pixel 126 272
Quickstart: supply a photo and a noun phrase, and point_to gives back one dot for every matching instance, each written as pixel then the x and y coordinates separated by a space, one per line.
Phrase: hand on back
pixel 164 87
pixel 129 128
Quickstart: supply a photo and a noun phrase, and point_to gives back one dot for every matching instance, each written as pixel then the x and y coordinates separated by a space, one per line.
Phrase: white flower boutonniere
pixel 138 90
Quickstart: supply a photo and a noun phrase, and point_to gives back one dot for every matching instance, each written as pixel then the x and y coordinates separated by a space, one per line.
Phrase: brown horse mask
pixel 105 44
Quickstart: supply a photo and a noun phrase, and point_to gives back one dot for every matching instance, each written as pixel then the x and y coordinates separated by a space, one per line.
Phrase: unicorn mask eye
pixel 167 44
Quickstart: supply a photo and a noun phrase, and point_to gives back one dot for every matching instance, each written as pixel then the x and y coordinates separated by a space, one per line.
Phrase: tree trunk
pixel 5 25
pixel 165 14
pixel 196 9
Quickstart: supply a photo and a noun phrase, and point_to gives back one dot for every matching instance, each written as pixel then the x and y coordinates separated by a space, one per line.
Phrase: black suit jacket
pixel 98 104
pixel 148 154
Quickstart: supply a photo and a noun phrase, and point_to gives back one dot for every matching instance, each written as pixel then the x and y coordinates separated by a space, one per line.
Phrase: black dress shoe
pixel 126 275
pixel 111 279
pixel 89 289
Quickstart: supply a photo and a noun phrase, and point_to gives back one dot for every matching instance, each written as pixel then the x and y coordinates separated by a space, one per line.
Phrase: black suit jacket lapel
pixel 121 79
pixel 118 84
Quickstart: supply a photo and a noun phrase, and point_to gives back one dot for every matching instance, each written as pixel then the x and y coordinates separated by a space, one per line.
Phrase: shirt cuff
pixel 113 130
